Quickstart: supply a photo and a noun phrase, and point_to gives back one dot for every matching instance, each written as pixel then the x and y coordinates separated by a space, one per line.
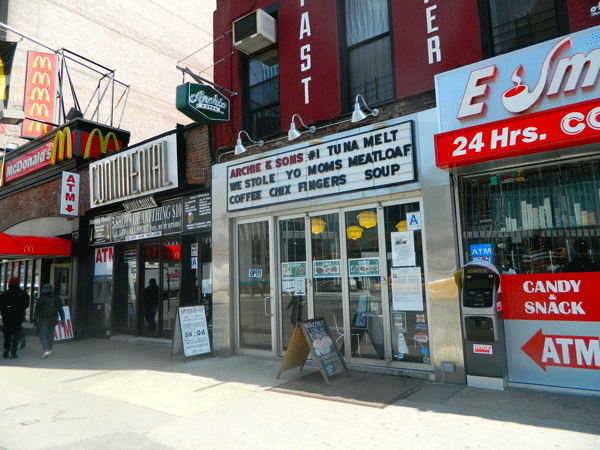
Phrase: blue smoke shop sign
pixel 202 103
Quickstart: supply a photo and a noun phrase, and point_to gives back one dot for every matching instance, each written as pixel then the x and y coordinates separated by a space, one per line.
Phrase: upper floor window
pixel 262 99
pixel 514 24
pixel 367 52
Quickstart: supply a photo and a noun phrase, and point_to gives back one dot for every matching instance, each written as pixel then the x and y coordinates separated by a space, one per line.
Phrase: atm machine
pixel 483 326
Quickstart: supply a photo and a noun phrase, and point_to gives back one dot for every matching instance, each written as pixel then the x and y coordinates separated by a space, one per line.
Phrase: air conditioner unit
pixel 254 32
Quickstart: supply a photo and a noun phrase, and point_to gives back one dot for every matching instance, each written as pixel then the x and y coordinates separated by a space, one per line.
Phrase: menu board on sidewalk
pixel 313 337
pixel 191 332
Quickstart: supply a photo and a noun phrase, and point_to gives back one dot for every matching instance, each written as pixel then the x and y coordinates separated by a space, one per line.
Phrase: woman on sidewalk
pixel 47 311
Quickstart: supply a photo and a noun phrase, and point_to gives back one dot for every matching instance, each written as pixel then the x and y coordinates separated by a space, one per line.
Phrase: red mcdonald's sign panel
pixel 40 92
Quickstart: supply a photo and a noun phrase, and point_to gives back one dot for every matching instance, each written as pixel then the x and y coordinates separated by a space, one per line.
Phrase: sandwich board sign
pixel 191 332
pixel 313 337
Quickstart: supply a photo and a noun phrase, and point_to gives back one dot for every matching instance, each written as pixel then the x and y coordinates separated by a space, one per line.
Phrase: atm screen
pixel 479 283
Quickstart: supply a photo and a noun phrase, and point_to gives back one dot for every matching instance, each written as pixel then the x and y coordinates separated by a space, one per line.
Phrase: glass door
pixel 293 276
pixel 256 311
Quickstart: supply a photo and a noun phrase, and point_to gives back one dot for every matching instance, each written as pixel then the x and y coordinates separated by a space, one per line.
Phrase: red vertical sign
pixel 40 92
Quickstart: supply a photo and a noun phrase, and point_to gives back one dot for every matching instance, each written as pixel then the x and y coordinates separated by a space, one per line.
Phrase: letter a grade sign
pixel 69 195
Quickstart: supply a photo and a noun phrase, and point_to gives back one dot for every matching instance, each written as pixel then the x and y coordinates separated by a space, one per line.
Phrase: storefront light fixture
pixel 239 148
pixel 354 232
pixel 401 226
pixel 317 225
pixel 294 133
pixel 367 219
pixel 358 113
pixel 12 116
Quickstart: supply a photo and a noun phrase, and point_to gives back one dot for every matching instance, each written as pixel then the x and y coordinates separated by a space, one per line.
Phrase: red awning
pixel 33 246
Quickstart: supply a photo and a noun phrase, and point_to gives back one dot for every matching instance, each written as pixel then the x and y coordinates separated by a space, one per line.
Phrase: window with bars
pixel 534 220
pixel 513 24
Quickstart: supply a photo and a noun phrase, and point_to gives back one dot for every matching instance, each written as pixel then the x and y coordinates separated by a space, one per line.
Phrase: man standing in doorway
pixel 150 303
pixel 13 304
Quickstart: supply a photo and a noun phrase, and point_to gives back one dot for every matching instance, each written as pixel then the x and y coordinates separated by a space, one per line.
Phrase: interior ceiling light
pixel 317 225
pixel 367 219
pixel 294 133
pixel 354 232
pixel 239 148
pixel 358 113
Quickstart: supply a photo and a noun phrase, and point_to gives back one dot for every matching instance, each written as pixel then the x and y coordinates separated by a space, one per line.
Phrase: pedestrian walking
pixel 47 312
pixel 13 303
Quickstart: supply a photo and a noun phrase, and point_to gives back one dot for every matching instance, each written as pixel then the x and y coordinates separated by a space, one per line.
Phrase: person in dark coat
pixel 13 303
pixel 48 309
pixel 150 303
pixel 582 262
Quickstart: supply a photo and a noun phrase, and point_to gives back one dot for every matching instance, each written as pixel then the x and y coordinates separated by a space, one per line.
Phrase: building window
pixel 262 101
pixel 513 24
pixel 367 52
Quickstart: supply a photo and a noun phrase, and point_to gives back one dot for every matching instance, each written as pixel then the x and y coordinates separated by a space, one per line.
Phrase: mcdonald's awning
pixel 33 246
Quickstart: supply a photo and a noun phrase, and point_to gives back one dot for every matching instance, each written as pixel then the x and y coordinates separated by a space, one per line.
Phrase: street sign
pixel 69 196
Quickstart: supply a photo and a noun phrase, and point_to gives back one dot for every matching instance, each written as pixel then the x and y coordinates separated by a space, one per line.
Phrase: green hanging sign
pixel 202 103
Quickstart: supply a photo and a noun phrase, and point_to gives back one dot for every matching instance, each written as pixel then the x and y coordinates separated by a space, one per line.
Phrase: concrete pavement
pixel 128 394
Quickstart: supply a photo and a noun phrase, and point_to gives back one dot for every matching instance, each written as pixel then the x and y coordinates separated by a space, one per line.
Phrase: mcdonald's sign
pixel 40 93
pixel 81 138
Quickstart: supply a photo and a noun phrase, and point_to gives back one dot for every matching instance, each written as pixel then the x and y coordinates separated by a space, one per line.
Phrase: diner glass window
pixel 367 53
pixel 326 268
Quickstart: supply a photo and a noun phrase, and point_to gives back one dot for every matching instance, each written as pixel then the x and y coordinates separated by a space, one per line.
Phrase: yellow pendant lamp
pixel 367 219
pixel 354 232
pixel 317 225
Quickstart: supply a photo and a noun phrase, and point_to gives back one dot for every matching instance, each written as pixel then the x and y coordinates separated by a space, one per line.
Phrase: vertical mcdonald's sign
pixel 40 93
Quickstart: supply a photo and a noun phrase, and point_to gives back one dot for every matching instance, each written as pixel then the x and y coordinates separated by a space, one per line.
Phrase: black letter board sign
pixel 313 337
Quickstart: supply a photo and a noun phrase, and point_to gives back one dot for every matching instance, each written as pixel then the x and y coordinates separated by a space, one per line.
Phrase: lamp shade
pixel 354 232
pixel 367 219
pixel 317 225
pixel 401 226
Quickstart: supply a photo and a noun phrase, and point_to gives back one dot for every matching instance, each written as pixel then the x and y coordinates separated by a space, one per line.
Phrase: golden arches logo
pixel 28 249
pixel 62 144
pixel 39 109
pixel 41 77
pixel 41 94
pixel 42 60
pixel 103 142
pixel 38 126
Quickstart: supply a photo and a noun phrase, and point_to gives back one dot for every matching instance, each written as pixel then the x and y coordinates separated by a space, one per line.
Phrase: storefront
pixel 339 227
pixel 520 135
pixel 155 255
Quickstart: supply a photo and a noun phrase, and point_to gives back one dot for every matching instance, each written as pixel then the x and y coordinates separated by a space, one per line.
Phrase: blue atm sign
pixel 481 252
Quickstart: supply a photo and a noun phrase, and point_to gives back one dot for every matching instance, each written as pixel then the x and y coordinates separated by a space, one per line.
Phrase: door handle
pixel 266 313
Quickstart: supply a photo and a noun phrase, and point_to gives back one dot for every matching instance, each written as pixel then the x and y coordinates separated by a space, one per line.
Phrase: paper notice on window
pixel 300 286
pixel 403 249
pixel 402 347
pixel 407 293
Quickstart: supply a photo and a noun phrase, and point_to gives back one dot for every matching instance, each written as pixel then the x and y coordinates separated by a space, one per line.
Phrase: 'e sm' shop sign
pixel 373 159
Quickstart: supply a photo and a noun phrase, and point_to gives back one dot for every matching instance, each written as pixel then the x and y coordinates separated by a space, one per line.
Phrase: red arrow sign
pixel 580 352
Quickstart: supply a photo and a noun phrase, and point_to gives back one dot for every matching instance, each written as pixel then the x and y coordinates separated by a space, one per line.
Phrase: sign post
pixel 313 337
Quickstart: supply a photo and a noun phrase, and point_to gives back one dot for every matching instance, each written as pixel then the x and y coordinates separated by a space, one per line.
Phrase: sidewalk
pixel 128 394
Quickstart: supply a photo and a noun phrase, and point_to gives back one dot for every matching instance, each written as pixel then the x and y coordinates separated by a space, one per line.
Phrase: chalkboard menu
pixel 313 337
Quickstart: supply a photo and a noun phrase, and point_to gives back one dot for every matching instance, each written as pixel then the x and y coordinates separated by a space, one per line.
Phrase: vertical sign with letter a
pixel 69 196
